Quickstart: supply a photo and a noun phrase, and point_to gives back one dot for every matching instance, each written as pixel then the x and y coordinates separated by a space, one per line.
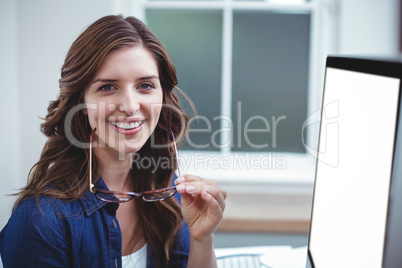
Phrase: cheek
pixel 156 108
pixel 97 113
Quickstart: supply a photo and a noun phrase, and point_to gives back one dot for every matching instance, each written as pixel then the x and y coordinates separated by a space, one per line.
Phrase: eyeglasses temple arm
pixel 91 185
pixel 177 154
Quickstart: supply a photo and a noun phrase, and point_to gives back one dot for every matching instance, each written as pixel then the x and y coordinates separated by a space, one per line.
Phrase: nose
pixel 129 102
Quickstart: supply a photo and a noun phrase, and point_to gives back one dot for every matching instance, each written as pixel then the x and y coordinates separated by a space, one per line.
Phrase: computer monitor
pixel 356 218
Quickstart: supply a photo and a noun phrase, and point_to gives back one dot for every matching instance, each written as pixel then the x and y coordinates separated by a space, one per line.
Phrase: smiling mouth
pixel 124 125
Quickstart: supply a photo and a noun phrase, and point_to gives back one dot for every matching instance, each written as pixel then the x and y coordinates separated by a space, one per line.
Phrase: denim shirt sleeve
pixel 33 237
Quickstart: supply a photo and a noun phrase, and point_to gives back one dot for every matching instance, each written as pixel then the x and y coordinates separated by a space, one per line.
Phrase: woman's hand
pixel 203 203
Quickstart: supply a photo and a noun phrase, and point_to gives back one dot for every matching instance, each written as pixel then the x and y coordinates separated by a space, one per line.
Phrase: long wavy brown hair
pixel 62 170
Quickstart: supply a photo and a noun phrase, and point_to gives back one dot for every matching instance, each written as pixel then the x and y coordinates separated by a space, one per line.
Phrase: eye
pixel 146 86
pixel 106 88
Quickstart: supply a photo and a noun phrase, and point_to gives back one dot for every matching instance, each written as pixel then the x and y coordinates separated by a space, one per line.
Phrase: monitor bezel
pixel 376 66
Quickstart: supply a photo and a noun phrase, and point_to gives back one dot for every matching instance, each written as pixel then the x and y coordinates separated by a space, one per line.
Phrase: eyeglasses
pixel 121 197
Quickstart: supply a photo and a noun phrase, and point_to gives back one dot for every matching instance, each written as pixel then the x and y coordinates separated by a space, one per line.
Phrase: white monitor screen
pixel 354 166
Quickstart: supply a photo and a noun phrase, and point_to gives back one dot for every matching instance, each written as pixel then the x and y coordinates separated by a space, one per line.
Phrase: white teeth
pixel 127 125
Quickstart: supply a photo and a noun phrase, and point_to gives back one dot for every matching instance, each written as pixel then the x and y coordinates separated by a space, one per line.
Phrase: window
pixel 193 38
pixel 248 66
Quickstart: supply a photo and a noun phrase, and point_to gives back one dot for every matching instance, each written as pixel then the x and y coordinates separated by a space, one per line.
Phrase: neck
pixel 115 172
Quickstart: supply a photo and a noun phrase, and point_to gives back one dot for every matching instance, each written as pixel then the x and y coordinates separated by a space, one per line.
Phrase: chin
pixel 130 149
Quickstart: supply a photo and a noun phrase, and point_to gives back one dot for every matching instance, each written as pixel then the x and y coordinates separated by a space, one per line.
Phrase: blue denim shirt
pixel 80 233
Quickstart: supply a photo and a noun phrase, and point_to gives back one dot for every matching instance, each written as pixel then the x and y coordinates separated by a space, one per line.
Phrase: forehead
pixel 134 61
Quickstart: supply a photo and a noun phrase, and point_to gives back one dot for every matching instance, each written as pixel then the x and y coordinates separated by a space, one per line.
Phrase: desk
pixel 269 256
pixel 271 212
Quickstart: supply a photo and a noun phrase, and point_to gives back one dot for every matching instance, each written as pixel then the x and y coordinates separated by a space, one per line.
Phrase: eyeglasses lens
pixel 159 195
pixel 114 198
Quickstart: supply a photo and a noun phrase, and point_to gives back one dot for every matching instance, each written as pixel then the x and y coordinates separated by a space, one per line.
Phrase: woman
pixel 89 200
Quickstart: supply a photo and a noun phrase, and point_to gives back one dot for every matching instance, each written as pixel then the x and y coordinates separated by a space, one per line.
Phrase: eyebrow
pixel 105 80
pixel 102 80
pixel 149 77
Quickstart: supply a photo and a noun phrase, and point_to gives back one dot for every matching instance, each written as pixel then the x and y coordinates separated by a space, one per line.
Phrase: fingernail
pixel 179 180
pixel 190 188
pixel 180 188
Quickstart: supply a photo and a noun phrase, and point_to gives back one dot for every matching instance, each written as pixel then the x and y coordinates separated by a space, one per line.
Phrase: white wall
pixel 35 37
pixel 369 27
pixel 10 137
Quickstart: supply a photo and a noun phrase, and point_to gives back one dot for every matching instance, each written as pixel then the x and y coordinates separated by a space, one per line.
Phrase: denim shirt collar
pixel 91 204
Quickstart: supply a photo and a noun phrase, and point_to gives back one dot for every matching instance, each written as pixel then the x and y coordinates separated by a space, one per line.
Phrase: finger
pixel 194 188
pixel 189 193
pixel 195 183
pixel 218 194
pixel 186 198
pixel 187 178
pixel 197 188
pixel 213 205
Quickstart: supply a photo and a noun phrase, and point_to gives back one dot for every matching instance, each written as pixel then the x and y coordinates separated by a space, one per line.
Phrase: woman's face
pixel 124 100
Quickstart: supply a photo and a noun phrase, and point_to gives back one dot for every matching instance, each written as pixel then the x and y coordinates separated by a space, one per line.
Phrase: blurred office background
pixel 246 64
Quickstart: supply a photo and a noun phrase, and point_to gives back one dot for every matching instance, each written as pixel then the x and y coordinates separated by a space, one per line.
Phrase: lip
pixel 127 131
